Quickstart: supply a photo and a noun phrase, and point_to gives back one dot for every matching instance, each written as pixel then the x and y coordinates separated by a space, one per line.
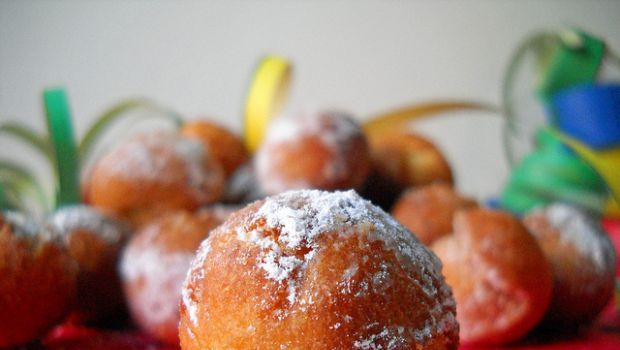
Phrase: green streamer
pixel 66 155
pixel 17 185
pixel 31 137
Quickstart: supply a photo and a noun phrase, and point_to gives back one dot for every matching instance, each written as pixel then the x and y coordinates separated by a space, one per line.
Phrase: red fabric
pixel 73 337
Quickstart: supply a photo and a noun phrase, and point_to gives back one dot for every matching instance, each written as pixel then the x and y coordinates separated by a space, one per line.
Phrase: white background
pixel 362 56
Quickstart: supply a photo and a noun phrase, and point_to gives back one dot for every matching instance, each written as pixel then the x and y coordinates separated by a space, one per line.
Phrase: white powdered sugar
pixel 583 231
pixel 161 275
pixel 193 276
pixel 147 157
pixel 21 224
pixel 394 337
pixel 136 158
pixel 201 170
pixel 303 216
pixel 332 127
pixel 83 217
pixel 335 130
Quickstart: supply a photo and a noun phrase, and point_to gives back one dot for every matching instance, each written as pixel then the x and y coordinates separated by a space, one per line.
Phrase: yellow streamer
pixel 266 96
pixel 605 162
pixel 395 118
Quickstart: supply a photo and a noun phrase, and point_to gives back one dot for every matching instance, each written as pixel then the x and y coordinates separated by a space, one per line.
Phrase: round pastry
pixel 154 265
pixel 325 150
pixel 152 173
pixel 312 269
pixel 583 262
pixel 428 211
pixel 408 159
pixel 37 283
pixel 226 147
pixel 499 276
pixel 94 241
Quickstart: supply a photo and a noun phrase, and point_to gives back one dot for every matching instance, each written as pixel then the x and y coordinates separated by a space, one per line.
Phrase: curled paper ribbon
pixel 17 184
pixel 606 162
pixel 567 63
pixel 396 118
pixel 266 95
pixel 561 59
pixel 553 173
pixel 66 154
pixel 591 114
pixel 576 59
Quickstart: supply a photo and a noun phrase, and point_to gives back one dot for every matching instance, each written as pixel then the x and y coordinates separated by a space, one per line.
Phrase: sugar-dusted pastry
pixel 151 173
pixel 500 277
pixel 225 147
pixel 583 261
pixel 408 159
pixel 324 150
pixel 428 211
pixel 154 266
pixel 37 281
pixel 94 241
pixel 312 269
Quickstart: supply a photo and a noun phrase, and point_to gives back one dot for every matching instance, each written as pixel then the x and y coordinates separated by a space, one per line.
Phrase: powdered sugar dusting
pixel 82 217
pixel 335 130
pixel 583 231
pixel 21 224
pixel 393 337
pixel 148 157
pixel 194 274
pixel 162 275
pixel 301 217
pixel 288 230
pixel 135 158
pixel 201 171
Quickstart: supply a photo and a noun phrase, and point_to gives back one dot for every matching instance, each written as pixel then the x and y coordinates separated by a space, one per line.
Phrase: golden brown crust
pixel 225 147
pixel 154 266
pixel 409 159
pixel 151 174
pixel 37 287
pixel 428 211
pixel 583 264
pixel 352 290
pixel 500 278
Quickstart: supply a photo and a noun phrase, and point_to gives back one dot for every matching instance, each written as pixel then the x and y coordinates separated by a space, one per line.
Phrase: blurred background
pixel 363 56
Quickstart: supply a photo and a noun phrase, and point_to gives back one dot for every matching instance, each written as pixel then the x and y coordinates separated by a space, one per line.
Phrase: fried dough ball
pixel 94 241
pixel 154 265
pixel 226 147
pixel 499 276
pixel 583 261
pixel 152 173
pixel 37 281
pixel 428 211
pixel 312 269
pixel 325 150
pixel 408 159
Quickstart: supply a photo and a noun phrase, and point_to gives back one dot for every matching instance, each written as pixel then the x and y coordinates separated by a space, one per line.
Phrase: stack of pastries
pixel 207 247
